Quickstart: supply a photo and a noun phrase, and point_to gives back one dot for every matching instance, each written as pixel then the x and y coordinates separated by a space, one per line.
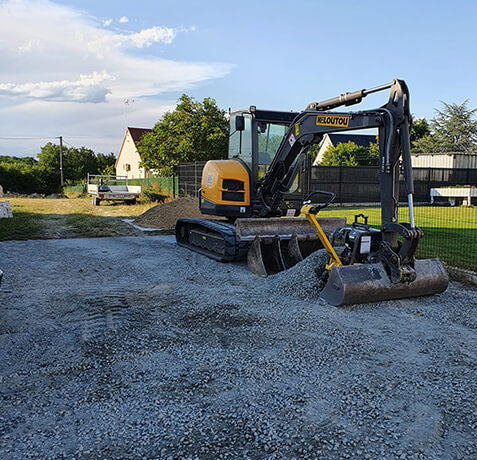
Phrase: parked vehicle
pixel 112 188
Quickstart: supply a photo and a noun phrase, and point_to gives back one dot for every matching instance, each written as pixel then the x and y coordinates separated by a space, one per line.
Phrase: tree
pixel 373 151
pixel 454 129
pixel 348 154
pixel 194 131
pixel 106 163
pixel 18 177
pixel 24 160
pixel 77 162
pixel 420 128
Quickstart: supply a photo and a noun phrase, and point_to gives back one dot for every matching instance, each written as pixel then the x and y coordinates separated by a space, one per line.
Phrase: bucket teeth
pixel 351 284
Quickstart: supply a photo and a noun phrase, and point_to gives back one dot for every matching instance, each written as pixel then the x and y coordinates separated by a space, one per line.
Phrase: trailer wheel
pixel 96 201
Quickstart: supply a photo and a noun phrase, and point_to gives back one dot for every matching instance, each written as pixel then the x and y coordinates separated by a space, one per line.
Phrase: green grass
pixel 23 226
pixel 67 218
pixel 449 232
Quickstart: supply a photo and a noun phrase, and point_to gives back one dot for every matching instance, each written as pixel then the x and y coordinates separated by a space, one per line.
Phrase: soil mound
pixel 164 215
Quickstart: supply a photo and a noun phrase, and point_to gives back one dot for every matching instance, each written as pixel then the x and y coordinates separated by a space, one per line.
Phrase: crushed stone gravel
pixel 137 348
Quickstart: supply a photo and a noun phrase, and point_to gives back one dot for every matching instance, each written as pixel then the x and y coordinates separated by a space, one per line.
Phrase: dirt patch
pixel 56 196
pixel 164 215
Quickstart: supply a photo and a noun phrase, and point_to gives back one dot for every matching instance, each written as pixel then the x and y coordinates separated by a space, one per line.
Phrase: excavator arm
pixel 393 122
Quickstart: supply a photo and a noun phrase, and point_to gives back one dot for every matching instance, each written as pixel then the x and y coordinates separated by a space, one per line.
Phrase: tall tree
pixel 194 131
pixel 453 129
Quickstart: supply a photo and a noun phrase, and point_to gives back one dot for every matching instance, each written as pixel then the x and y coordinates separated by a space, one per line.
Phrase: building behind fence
pixel 450 232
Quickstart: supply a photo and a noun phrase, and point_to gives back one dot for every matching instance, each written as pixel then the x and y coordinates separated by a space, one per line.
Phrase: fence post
pixel 173 182
pixel 340 188
pixel 429 183
pixel 195 177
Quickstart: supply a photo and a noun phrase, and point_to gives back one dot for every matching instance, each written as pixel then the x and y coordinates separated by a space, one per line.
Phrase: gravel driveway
pixel 133 347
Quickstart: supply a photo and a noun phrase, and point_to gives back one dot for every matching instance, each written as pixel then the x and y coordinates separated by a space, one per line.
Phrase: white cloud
pixel 147 37
pixel 123 20
pixel 29 45
pixel 54 57
pixel 89 88
pixel 107 22
pixel 99 43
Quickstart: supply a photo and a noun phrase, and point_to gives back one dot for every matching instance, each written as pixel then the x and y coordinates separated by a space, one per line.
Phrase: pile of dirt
pixel 164 215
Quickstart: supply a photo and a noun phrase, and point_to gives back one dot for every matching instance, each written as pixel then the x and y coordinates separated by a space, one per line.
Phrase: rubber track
pixel 233 249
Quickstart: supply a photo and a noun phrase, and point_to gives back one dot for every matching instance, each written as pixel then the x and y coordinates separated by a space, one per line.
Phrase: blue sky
pixel 68 66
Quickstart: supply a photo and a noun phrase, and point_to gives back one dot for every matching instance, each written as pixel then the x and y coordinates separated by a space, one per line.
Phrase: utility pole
pixel 61 160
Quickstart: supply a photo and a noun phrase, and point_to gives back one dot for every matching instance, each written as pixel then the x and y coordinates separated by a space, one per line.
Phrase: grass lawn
pixel 449 232
pixel 39 218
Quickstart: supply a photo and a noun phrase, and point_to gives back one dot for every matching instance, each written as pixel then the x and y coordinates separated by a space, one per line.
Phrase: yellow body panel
pixel 213 176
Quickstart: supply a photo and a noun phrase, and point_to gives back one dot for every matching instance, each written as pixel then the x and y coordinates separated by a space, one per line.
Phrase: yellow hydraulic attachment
pixel 310 210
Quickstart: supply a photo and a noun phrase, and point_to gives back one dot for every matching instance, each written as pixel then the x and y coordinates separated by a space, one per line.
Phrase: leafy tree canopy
pixel 420 128
pixel 77 162
pixel 194 131
pixel 28 175
pixel 23 160
pixel 350 154
pixel 453 129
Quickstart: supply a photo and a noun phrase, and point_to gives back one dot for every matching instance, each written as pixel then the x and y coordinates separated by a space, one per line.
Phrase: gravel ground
pixel 134 347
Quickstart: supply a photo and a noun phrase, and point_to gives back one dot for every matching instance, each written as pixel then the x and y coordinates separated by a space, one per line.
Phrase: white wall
pixel 325 143
pixel 128 160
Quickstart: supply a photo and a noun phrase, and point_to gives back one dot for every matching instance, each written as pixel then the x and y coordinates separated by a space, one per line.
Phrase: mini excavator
pixel 266 151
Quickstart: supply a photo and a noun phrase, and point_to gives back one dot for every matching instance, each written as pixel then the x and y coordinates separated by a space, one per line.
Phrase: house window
pixel 127 167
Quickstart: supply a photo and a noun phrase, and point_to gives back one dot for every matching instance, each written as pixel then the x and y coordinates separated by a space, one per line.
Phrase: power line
pixel 71 145
pixel 29 138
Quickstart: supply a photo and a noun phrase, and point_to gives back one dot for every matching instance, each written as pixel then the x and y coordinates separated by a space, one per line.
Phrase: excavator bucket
pixel 364 283
pixel 269 255
pixel 279 243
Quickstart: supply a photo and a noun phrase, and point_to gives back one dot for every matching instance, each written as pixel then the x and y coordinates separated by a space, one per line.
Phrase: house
pixel 127 163
pixel 332 140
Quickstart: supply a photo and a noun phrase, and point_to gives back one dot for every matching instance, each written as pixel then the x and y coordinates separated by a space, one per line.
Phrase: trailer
pixel 112 188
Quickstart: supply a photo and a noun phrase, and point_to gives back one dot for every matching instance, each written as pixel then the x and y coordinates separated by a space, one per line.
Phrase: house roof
pixel 362 140
pixel 136 134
